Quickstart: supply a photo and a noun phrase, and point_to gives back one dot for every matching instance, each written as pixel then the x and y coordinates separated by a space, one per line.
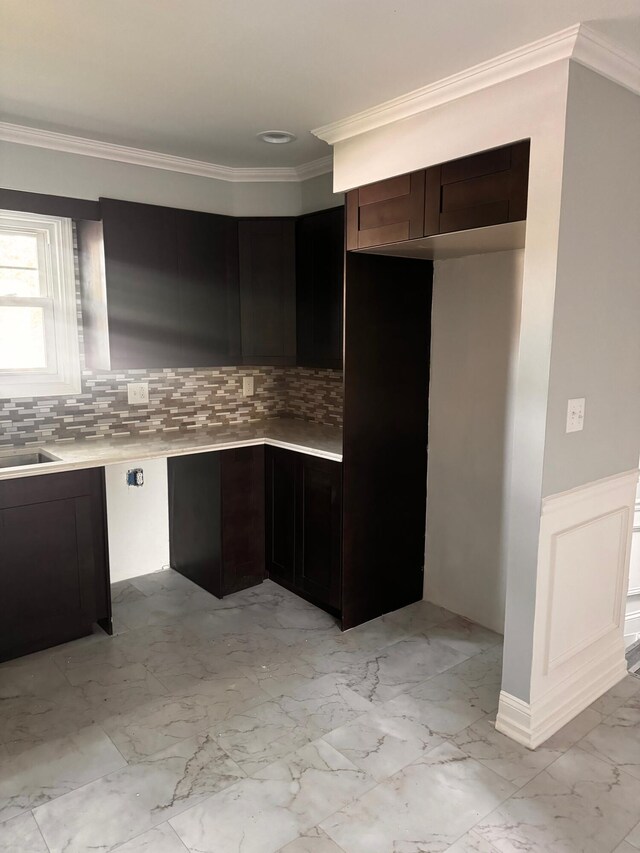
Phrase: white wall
pixel 138 520
pixel 41 170
pixel 475 331
pixel 596 324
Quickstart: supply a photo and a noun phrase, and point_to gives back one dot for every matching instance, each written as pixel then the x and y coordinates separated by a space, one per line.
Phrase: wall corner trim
pixel 23 135
pixel 578 42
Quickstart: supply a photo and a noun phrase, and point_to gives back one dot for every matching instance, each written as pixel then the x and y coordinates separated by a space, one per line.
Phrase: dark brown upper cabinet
pixel 209 300
pixel 159 287
pixel 319 288
pixel 420 214
pixel 484 189
pixel 389 211
pixel 142 288
pixel 267 275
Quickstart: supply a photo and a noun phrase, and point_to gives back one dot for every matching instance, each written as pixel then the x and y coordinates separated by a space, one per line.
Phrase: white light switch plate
pixel 138 393
pixel 575 414
pixel 247 386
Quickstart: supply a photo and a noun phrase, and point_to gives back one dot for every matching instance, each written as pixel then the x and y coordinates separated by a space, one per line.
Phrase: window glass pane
pixel 18 250
pixel 14 282
pixel 22 343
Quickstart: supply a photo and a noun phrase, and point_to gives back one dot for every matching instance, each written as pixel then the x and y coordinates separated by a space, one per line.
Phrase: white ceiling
pixel 199 78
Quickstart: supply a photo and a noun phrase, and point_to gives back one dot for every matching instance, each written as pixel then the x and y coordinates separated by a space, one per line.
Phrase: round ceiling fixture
pixel 276 137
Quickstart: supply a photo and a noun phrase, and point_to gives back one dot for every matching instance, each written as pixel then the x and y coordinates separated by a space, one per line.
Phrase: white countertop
pixel 304 437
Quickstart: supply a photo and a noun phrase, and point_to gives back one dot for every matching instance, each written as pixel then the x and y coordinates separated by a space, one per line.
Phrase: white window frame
pixel 57 298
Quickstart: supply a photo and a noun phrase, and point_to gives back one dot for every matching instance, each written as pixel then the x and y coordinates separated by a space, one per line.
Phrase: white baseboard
pixel 531 724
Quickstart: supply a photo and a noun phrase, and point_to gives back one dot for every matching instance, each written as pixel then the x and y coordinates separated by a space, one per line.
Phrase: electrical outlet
pixel 575 414
pixel 138 393
pixel 247 386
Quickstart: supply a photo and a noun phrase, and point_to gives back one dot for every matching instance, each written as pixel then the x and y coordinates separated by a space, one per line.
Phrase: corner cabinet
pixel 267 275
pixel 319 288
pixel 54 582
pixel 304 525
pixel 484 189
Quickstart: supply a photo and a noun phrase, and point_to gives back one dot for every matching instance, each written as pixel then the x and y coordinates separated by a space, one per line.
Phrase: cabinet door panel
pixel 319 524
pixel 489 188
pixel 195 546
pixel 389 211
pixel 209 298
pixel 267 290
pixel 281 513
pixel 243 534
pixel 142 284
pixel 319 288
pixel 47 574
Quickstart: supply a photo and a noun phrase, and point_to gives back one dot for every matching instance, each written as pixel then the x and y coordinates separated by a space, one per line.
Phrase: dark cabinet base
pixel 304 521
pixel 216 518
pixel 54 583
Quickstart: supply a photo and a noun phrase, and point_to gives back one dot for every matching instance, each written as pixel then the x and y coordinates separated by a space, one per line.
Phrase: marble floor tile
pixel 623 847
pixel 52 769
pixel 284 673
pixel 373 636
pixel 634 836
pixel 382 744
pixel 162 608
pixel 471 843
pixel 445 704
pixel 166 580
pixel 515 762
pixel 119 807
pixel 162 650
pixel 29 720
pixel 263 734
pixel 400 667
pixel 314 840
pixel 419 616
pixel 29 676
pixel 160 839
pixel 464 636
pixel 578 803
pixel 326 703
pixel 22 835
pixel 287 798
pixel 115 689
pixel 199 705
pixel 617 738
pixel 253 715
pixel 617 696
pixel 124 591
pixel 483 669
pixel 333 657
pixel 424 808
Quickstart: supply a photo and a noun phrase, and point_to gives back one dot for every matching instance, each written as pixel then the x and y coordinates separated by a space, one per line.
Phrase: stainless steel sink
pixel 24 456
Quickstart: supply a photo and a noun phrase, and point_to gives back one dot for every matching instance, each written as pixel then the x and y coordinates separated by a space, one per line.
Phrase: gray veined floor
pixel 252 725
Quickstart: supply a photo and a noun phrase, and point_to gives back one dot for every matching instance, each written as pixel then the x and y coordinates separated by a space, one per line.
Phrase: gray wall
pixel 41 170
pixel 596 325
pixel 475 329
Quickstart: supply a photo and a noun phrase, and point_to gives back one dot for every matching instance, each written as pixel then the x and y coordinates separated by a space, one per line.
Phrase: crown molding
pixel 23 135
pixel 577 42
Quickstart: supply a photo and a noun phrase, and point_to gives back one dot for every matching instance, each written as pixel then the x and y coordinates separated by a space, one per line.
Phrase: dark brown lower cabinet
pixel 54 577
pixel 304 521
pixel 216 518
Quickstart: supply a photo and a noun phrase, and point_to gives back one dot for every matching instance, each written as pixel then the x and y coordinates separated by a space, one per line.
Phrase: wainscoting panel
pixel 582 581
